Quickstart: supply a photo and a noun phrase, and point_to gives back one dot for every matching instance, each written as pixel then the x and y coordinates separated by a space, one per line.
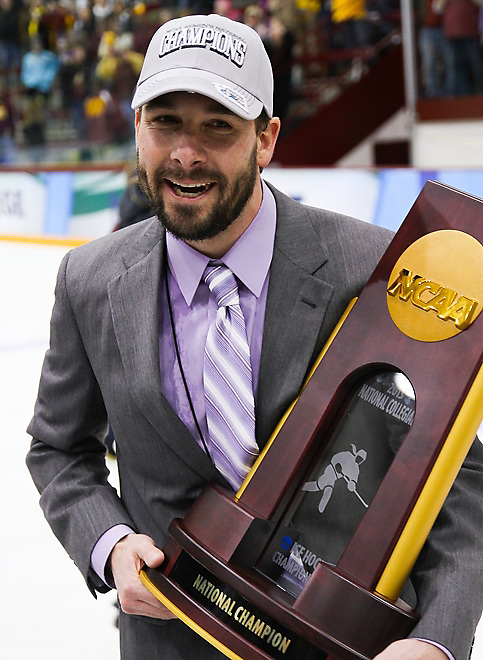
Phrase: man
pixel 133 314
pixel 462 34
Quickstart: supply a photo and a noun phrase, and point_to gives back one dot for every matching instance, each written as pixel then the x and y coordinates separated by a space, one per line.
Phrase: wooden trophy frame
pixel 419 315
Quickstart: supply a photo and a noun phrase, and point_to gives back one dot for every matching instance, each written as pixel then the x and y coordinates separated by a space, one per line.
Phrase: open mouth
pixel 189 190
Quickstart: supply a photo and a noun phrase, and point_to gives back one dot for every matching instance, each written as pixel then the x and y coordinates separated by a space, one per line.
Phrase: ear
pixel 137 119
pixel 266 142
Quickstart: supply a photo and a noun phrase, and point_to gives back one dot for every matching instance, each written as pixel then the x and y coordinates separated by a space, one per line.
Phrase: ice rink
pixel 46 611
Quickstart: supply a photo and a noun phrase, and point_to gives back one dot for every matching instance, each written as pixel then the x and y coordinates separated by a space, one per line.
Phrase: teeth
pixel 191 185
pixel 189 189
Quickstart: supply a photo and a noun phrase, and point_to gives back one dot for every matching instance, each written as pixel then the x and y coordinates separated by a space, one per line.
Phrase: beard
pixel 192 224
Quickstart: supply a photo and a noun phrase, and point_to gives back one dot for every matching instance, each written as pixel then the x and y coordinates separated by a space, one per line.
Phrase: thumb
pixel 150 554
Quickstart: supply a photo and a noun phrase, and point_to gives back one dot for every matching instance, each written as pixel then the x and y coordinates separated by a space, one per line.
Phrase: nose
pixel 187 151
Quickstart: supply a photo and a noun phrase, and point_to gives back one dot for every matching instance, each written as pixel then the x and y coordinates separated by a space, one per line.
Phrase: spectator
pixel 57 20
pixel 7 127
pixel 134 205
pixel 351 32
pixel 349 16
pixel 254 16
pixel 73 79
pixel 10 41
pixel 125 77
pixel 67 69
pixel 144 26
pixel 461 30
pixel 102 9
pixel 118 70
pixel 279 42
pixel 122 14
pixel 103 118
pixel 38 70
pixel 383 16
pixel 226 8
pixel 433 50
pixel 84 22
pixel 35 25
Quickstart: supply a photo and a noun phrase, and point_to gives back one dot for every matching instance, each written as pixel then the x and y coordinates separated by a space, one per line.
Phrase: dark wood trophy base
pixel 258 575
pixel 203 586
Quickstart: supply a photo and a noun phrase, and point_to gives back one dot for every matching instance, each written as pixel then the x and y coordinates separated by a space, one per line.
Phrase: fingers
pixel 140 601
pixel 127 558
pixel 411 649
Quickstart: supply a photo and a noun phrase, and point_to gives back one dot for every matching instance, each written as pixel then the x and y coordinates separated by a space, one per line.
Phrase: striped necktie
pixel 230 406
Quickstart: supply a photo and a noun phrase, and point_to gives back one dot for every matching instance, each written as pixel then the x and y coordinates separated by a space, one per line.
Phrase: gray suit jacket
pixel 103 362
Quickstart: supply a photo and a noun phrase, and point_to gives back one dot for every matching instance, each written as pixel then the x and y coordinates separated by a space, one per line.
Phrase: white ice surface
pixel 46 611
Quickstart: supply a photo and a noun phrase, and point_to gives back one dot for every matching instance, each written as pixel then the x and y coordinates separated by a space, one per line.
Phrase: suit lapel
pixel 296 304
pixel 135 306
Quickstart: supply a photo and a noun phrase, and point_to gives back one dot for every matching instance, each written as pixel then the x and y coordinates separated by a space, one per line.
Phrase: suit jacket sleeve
pixel 67 454
pixel 448 573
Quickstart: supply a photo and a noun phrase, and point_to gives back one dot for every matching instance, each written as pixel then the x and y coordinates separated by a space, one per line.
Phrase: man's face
pixel 198 165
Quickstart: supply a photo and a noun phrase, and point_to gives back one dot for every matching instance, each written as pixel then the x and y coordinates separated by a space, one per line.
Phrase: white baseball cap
pixel 212 55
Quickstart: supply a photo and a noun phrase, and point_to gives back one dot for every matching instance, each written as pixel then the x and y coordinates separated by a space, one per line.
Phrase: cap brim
pixel 233 97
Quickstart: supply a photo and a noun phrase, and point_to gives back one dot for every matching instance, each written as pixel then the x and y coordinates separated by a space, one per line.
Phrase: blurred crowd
pixel 88 53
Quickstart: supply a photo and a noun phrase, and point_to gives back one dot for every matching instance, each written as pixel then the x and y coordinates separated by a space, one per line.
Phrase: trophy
pixel 311 558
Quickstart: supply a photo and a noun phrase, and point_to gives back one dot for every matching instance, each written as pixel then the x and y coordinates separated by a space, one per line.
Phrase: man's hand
pixel 126 560
pixel 411 649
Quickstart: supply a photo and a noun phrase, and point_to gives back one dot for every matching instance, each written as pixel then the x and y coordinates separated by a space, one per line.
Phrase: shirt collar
pixel 249 258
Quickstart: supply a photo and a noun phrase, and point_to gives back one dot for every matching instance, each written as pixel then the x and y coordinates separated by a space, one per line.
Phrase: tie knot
pixel 222 284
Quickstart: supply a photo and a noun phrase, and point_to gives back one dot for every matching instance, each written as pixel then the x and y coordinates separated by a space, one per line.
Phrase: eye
pixel 163 120
pixel 219 126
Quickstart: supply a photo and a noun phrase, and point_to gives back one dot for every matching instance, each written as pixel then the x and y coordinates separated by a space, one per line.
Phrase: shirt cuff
pixel 439 646
pixel 102 550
